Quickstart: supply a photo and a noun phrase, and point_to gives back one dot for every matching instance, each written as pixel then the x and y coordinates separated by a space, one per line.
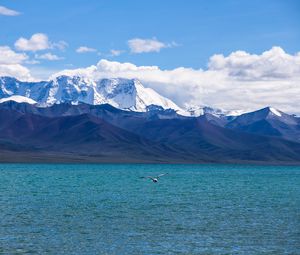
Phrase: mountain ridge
pixel 119 120
pixel 125 94
pixel 103 133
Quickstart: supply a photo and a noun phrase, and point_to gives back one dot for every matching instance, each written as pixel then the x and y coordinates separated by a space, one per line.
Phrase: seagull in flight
pixel 154 179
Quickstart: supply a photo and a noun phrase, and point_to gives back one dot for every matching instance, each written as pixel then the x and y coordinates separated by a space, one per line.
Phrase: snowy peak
pixel 147 96
pixel 120 93
pixel 268 121
pixel 69 89
pixel 268 112
pixel 196 111
pixel 130 94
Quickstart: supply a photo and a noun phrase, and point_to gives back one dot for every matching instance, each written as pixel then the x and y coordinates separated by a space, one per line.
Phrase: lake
pixel 109 209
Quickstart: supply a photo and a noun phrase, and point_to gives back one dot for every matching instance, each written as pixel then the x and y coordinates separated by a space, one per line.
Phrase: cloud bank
pixel 270 65
pixel 239 81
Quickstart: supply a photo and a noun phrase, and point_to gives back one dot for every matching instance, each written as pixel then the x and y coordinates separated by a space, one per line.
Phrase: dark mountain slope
pixel 106 134
pixel 268 121
pixel 80 134
pixel 198 136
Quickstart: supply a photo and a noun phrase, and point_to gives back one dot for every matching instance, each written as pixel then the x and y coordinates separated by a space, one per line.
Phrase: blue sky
pixel 231 54
pixel 199 28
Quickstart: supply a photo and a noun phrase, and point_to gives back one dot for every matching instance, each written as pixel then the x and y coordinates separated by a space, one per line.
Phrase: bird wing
pixel 161 175
pixel 148 177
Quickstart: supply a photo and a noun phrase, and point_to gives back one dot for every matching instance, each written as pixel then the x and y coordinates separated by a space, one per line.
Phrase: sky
pixel 232 54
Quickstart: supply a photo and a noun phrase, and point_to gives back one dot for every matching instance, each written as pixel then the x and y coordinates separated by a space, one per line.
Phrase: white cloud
pixel 272 64
pixel 11 64
pixel 38 42
pixel 239 81
pixel 115 53
pixel 18 71
pixel 8 12
pixel 9 57
pixel 138 45
pixel 48 56
pixel 85 49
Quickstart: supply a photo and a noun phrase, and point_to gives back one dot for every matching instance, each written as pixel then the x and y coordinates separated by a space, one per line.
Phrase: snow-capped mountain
pixel 196 111
pixel 268 121
pixel 131 95
pixel 126 94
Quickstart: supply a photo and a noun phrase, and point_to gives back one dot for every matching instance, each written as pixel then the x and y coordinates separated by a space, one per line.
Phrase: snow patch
pixel 18 99
pixel 274 111
pixel 196 111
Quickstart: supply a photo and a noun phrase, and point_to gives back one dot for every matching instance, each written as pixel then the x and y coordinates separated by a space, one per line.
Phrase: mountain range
pixel 126 94
pixel 73 119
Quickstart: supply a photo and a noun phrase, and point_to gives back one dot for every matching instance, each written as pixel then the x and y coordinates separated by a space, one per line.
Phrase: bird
pixel 154 179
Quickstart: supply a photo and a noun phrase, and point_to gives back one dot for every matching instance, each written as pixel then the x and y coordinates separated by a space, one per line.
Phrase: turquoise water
pixel 108 209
